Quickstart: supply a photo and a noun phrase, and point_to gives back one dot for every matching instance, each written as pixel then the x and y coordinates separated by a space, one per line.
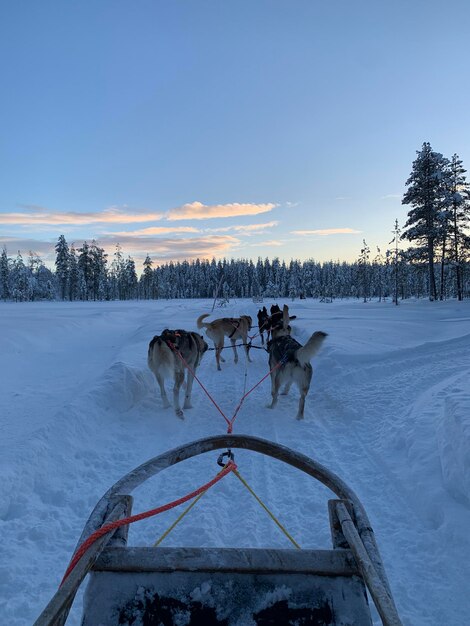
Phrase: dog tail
pixel 306 353
pixel 200 323
pixel 155 340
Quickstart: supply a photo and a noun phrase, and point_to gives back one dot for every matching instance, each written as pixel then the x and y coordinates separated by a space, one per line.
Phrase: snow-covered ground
pixel 388 410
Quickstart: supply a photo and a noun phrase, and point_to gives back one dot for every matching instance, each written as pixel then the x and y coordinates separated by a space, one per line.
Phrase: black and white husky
pixel 169 355
pixel 290 362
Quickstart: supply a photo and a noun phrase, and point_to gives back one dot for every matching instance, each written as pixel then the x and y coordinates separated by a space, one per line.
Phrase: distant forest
pixel 437 266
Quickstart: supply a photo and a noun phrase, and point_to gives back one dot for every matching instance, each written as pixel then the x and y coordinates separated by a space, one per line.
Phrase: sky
pixel 204 128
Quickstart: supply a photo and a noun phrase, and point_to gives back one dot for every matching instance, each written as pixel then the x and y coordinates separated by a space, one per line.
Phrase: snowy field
pixel 388 410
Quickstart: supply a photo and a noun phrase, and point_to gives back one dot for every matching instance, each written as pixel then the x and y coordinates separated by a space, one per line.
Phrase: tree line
pixel 437 266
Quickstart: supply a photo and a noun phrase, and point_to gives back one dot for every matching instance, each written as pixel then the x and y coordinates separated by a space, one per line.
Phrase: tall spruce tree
pixel 425 194
pixel 73 275
pixel 20 280
pixel 85 266
pixel 4 275
pixel 147 278
pixel 396 236
pixel 99 271
pixel 459 220
pixel 62 265
pixel 364 269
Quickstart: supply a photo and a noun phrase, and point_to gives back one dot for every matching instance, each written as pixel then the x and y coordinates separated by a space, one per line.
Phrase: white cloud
pixel 271 242
pixel 324 232
pixel 37 215
pixel 173 248
pixel 244 229
pixel 199 211
pixel 155 230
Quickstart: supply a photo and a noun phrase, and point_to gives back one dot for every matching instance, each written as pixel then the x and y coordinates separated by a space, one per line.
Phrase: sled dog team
pixel 175 351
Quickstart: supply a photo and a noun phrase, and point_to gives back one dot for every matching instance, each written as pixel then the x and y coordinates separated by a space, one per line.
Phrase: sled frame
pixel 350 525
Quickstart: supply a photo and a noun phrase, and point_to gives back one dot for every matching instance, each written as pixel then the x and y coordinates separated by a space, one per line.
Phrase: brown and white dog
pixel 165 362
pixel 235 328
pixel 290 362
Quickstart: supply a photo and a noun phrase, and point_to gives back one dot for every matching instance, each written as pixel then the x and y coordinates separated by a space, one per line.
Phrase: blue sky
pixel 218 128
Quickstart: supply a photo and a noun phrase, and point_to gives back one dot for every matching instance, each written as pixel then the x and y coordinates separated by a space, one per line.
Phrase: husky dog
pixel 264 323
pixel 290 362
pixel 232 327
pixel 276 314
pixel 164 359
pixel 276 318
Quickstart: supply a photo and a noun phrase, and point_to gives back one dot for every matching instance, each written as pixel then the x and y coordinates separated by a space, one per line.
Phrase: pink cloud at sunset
pixel 324 232
pixel 200 211
pixel 37 216
pixel 247 229
pixel 155 230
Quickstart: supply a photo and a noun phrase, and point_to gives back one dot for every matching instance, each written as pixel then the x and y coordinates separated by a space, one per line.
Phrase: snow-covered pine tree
pixel 364 269
pixel 378 276
pixel 4 275
pixel 73 275
pixel 19 280
pixel 130 279
pixel 425 194
pixel 62 265
pixel 147 278
pixel 117 278
pixel 85 265
pixel 459 221
pixel 99 271
pixel 396 237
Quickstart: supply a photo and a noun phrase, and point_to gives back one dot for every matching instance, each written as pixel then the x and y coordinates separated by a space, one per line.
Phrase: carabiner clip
pixel 230 457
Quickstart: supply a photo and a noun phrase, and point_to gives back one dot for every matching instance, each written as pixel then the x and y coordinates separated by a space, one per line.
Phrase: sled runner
pixel 145 586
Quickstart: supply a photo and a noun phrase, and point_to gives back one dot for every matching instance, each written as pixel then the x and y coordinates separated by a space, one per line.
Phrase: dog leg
pixel 234 348
pixel 218 357
pixel 303 394
pixel 247 349
pixel 179 379
pixel 285 391
pixel 161 383
pixel 275 384
pixel 187 395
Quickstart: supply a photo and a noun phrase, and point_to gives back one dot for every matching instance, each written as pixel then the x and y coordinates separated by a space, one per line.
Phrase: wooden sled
pixel 225 586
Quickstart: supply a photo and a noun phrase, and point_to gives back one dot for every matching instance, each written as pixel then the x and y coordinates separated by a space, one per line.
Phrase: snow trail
pixel 80 409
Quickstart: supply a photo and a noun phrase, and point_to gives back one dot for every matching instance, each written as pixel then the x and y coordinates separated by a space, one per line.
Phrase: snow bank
pixel 388 411
pixel 122 387
pixel 454 445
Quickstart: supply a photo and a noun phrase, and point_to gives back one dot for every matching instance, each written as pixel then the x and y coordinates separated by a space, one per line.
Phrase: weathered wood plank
pixel 379 592
pixel 246 560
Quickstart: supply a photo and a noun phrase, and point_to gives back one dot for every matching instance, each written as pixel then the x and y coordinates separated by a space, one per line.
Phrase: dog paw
pixel 187 405
pixel 180 414
pixel 299 417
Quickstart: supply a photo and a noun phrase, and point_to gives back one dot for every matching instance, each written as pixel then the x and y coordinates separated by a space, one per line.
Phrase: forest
pixel 436 265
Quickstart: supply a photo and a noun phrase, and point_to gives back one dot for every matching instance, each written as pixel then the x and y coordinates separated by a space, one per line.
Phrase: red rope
pixel 230 467
pixel 248 393
pixel 176 351
pixel 229 422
